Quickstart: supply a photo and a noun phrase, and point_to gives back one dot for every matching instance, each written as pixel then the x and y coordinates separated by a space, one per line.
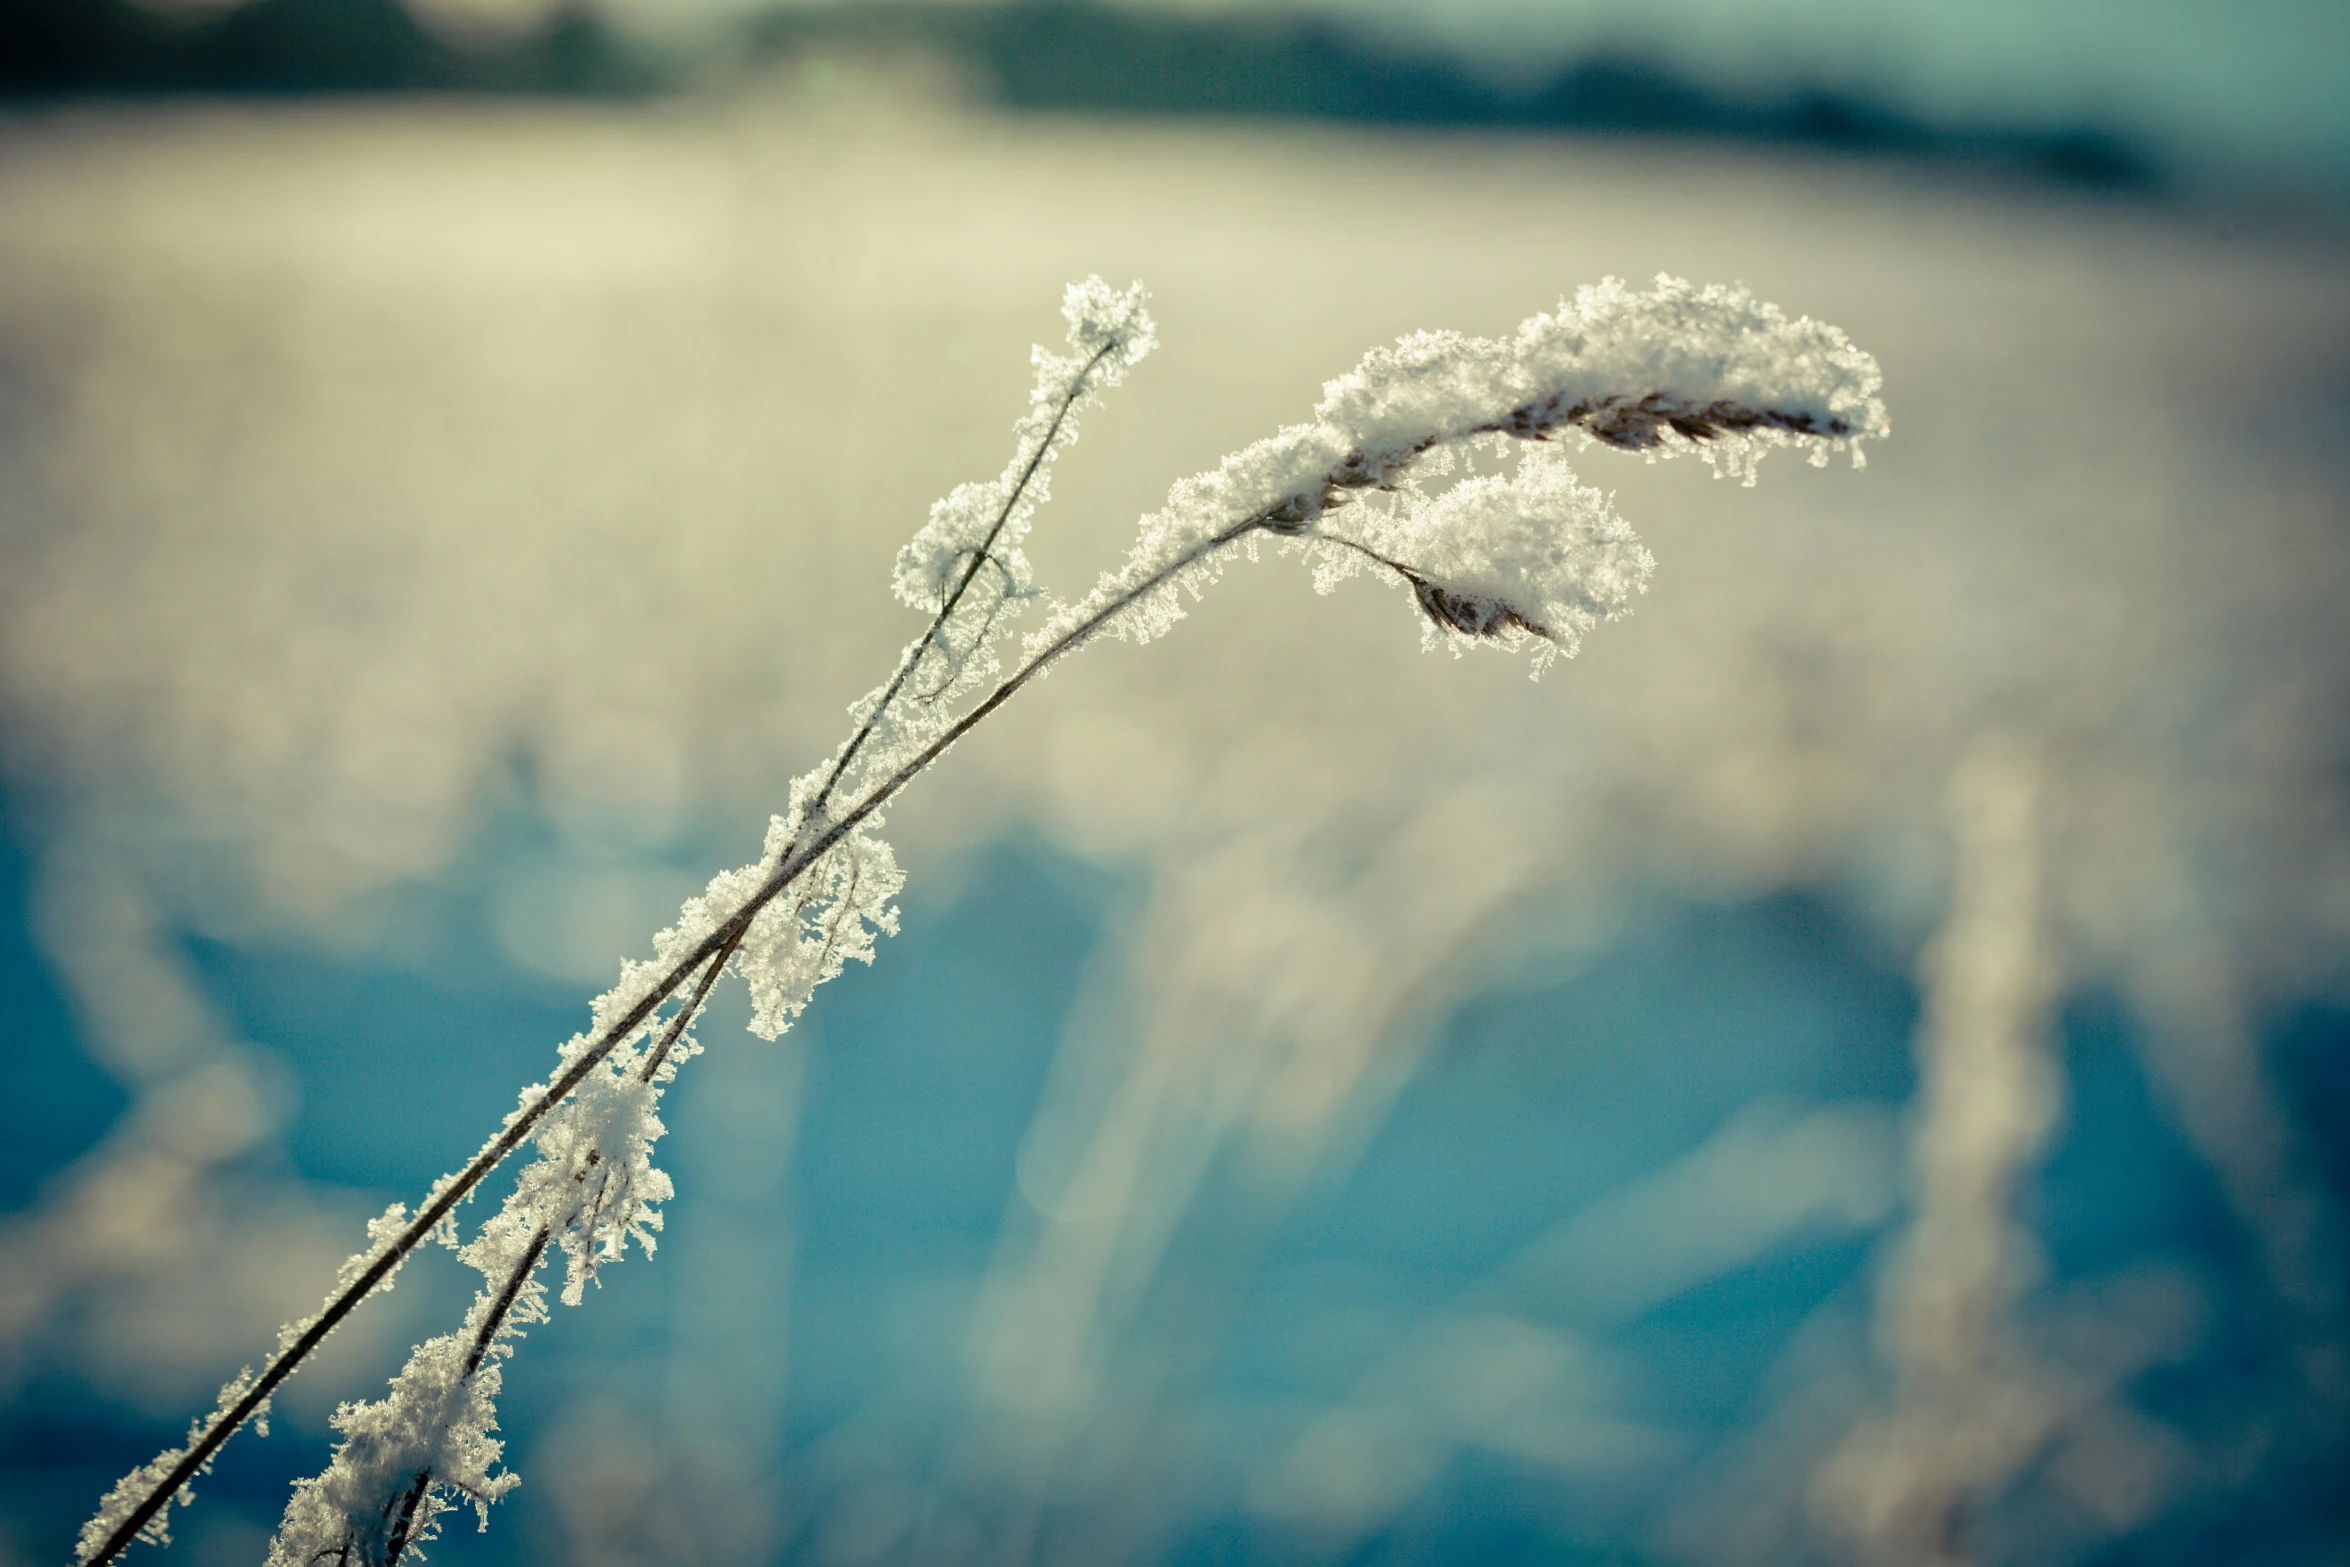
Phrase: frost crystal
pixel 1429 387
pixel 1678 367
pixel 142 1481
pixel 1723 372
pixel 798 943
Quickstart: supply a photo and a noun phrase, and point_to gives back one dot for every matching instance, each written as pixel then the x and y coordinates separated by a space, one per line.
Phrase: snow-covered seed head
pixel 1530 559
pixel 1472 614
pixel 1637 424
pixel 1701 362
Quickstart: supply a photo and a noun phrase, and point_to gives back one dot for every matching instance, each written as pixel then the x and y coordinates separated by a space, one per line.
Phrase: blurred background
pixel 1849 1070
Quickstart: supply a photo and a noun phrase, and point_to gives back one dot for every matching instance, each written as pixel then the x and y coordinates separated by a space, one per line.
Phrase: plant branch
pixel 795 864
pixel 506 1298
pixel 1618 421
pixel 396 1541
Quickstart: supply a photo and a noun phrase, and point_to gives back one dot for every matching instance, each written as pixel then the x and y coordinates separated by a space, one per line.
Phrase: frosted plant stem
pixel 506 1298
pixel 199 1453
pixel 396 1541
pixel 410 1500
pixel 348 1298
pixel 795 864
pixel 687 1013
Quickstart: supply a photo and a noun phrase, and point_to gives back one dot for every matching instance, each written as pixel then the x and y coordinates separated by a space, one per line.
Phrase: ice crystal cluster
pixel 1532 559
pixel 1522 557
pixel 798 942
pixel 159 1475
pixel 402 1458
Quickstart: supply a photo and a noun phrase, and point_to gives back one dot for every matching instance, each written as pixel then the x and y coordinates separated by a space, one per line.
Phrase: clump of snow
pixel 828 919
pixel 1529 560
pixel 404 1459
pixel 1711 369
pixel 1428 388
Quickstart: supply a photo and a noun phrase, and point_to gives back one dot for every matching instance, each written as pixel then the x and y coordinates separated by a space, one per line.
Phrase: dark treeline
pixel 1068 55
pixel 64 48
pixel 1040 55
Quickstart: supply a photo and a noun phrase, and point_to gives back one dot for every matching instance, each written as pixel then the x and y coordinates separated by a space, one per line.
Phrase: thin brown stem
pixel 793 866
pixel 396 1541
pixel 348 1298
pixel 488 1332
pixel 693 1006
pixel 1396 566
pixel 1464 613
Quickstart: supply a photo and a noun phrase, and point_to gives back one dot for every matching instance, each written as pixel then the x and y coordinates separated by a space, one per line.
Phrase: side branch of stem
pixel 979 557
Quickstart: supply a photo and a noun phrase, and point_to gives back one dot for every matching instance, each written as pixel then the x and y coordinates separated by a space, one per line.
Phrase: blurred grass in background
pixel 1329 1103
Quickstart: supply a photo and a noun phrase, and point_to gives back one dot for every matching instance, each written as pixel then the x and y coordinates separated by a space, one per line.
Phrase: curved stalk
pixel 1833 376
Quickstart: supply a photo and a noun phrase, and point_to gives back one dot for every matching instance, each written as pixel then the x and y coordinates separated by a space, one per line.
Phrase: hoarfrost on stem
pixel 139 1505
pixel 1110 332
pixel 593 1188
pixel 1531 558
pixel 157 1473
pixel 799 941
pixel 403 1458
